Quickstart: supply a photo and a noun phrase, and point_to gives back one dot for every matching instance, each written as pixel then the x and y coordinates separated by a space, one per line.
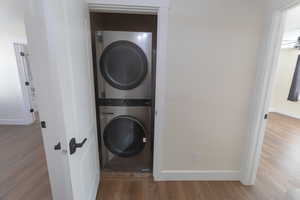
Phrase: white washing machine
pixel 124 64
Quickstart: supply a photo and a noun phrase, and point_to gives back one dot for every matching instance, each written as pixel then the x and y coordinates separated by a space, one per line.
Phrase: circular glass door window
pixel 123 65
pixel 124 136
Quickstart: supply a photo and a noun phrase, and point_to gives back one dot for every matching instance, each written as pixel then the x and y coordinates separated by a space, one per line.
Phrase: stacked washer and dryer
pixel 124 76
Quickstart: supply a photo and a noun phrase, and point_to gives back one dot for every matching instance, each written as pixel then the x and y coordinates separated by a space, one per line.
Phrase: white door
pixel 60 52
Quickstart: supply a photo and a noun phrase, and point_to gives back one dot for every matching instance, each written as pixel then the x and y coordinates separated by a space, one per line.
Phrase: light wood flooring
pixel 23 172
pixel 23 169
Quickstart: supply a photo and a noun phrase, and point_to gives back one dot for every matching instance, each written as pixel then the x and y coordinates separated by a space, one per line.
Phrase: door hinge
pixel 43 124
pixel 23 53
pixel 266 116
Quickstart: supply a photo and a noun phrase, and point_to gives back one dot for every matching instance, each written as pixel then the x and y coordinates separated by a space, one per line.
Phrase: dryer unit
pixel 124 62
pixel 125 138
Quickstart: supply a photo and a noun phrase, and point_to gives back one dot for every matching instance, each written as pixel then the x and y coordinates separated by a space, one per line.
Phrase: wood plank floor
pixel 23 171
pixel 279 171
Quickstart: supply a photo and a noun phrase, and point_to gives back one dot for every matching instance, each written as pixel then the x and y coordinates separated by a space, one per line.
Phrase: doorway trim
pixel 267 66
pixel 159 8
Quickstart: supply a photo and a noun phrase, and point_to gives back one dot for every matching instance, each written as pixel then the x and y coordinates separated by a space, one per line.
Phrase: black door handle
pixel 73 145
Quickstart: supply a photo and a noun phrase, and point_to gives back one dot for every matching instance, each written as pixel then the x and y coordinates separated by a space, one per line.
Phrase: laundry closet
pixel 124 57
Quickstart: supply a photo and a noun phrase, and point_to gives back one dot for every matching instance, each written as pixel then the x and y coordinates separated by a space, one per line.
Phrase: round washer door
pixel 124 136
pixel 123 65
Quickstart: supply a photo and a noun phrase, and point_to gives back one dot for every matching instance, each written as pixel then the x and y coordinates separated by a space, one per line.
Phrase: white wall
pixel 11 30
pixel 286 68
pixel 292 28
pixel 212 52
pixel 292 19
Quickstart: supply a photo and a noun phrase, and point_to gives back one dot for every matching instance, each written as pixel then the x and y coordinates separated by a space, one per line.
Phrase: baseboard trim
pixel 198 175
pixel 284 113
pixel 15 122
